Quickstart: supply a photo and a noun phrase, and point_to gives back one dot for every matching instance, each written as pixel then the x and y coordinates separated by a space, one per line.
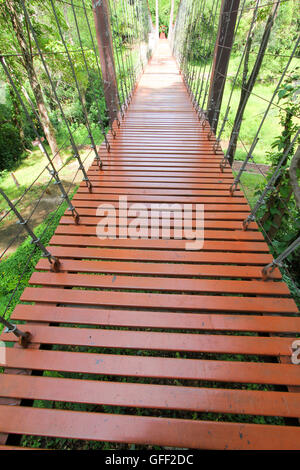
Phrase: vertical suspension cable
pixel 254 16
pixel 234 35
pixel 100 76
pixel 87 122
pixel 221 90
pixel 196 27
pixel 216 111
pixel 118 52
pixel 210 66
pixel 211 24
pixel 130 35
pixel 256 138
pixel 129 51
pixel 73 145
pixel 90 79
pixel 138 38
pixel 187 48
pixel 53 170
pixel 128 75
pixel 184 34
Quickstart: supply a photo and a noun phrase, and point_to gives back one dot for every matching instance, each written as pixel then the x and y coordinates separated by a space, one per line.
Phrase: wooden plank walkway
pixel 176 334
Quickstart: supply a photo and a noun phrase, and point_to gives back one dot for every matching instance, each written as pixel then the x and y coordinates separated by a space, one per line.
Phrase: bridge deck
pixel 166 346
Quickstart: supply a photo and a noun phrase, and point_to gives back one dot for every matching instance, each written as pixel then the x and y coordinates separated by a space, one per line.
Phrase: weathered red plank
pixel 157 319
pixel 66 250
pixel 161 301
pixel 156 367
pixel 160 284
pixel 147 430
pixel 149 396
pixel 178 270
pixel 156 341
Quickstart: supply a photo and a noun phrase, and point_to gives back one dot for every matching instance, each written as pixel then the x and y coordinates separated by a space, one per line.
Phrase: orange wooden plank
pixel 209 234
pixel 160 284
pixel 238 201
pixel 153 341
pixel 157 319
pixel 88 202
pixel 67 250
pixel 178 270
pixel 156 367
pixel 149 396
pixel 211 220
pixel 209 216
pixel 160 301
pixel 147 430
pixel 154 244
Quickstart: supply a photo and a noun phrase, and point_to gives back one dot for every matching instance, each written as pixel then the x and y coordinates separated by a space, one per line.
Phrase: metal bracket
pixel 24 337
pixel 267 270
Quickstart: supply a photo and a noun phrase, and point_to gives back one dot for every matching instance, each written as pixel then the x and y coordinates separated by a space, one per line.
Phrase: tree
pixel 248 83
pixel 14 9
pixel 275 210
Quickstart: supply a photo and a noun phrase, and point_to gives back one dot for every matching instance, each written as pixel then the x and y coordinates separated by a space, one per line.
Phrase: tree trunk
pixel 221 57
pixel 247 86
pixel 15 180
pixel 14 11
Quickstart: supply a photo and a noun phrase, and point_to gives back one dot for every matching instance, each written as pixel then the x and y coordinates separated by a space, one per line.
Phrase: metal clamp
pixel 24 337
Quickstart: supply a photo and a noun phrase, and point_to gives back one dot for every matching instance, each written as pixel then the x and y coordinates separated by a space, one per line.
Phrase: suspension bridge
pixel 144 323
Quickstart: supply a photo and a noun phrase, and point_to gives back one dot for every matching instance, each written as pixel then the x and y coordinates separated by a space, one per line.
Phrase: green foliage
pixel 126 41
pixel 10 140
pixel 164 8
pixel 16 133
pixel 10 146
pixel 198 29
pixel 279 214
pixel 23 261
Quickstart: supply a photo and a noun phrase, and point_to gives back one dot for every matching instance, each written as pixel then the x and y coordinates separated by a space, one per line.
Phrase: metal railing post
pixel 53 171
pixel 277 262
pixel 54 262
pixel 270 184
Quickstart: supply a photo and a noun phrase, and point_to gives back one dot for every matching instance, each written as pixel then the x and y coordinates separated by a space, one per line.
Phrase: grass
pixel 255 109
pixel 23 261
pixel 30 167
pixel 249 184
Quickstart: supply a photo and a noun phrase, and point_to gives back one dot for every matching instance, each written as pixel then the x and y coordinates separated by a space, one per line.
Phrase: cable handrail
pixel 198 87
pixel 127 64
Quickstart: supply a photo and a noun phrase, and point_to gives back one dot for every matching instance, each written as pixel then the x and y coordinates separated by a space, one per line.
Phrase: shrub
pixel 10 146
